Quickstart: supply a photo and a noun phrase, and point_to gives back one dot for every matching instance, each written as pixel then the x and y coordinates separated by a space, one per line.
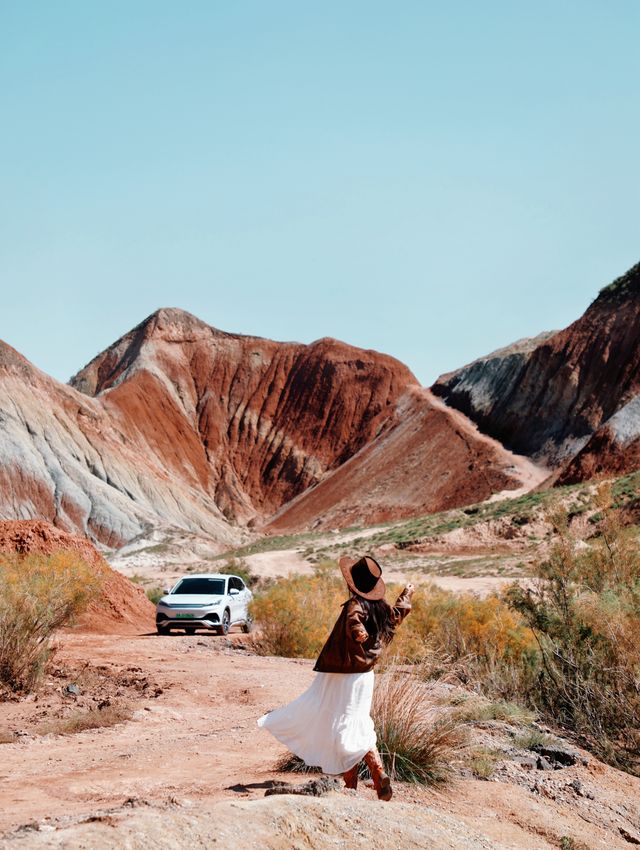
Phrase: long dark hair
pixel 379 622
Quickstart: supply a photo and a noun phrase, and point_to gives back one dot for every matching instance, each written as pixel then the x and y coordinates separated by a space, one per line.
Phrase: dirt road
pixel 195 738
pixel 192 745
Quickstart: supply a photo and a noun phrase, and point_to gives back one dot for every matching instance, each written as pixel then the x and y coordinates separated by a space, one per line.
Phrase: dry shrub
pixel 40 593
pixel 584 611
pixel 417 742
pixel 239 567
pixel 290 763
pixel 569 843
pixel 95 718
pixel 482 763
pixel 297 614
pixel 533 739
pixel 477 642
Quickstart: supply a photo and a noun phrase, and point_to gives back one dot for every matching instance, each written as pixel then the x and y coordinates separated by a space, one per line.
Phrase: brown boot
pixel 381 781
pixel 351 777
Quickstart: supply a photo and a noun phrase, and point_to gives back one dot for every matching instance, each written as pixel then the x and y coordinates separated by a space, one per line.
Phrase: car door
pixel 244 597
pixel 234 598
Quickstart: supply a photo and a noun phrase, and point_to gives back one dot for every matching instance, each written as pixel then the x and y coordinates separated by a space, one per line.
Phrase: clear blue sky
pixel 428 179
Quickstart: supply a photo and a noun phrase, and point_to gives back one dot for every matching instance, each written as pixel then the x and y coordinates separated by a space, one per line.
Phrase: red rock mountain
pixel 568 399
pixel 180 424
pixel 249 421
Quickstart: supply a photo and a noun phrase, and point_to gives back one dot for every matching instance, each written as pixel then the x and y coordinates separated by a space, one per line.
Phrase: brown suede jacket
pixel 349 647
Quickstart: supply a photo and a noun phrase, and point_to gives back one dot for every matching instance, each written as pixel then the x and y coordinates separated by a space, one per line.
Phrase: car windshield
pixel 207 586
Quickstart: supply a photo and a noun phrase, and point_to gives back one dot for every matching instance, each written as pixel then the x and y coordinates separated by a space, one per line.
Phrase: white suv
pixel 206 601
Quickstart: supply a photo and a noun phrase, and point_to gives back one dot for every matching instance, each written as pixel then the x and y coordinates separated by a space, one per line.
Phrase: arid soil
pixel 190 761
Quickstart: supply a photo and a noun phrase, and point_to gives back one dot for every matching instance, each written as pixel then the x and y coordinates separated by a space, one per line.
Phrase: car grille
pixel 184 605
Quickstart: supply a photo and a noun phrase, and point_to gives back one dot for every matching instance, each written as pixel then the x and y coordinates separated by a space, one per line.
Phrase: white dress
pixel 330 724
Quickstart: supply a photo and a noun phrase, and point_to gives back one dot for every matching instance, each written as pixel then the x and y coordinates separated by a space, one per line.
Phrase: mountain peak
pixel 174 318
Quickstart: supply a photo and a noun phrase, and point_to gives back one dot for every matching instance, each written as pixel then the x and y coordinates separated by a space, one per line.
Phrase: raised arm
pixel 403 604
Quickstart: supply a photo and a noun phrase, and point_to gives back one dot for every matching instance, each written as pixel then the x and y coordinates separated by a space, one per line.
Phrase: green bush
pixel 155 594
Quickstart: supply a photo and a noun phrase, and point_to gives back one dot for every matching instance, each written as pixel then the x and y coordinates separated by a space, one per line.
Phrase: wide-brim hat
pixel 364 576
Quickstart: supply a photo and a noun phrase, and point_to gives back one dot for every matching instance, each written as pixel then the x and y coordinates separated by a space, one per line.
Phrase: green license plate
pixel 184 616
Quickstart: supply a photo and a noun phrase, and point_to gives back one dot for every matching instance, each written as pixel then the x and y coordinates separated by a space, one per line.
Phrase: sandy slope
pixel 431 459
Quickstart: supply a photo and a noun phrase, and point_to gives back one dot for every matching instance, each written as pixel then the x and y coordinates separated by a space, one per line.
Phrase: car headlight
pixel 217 602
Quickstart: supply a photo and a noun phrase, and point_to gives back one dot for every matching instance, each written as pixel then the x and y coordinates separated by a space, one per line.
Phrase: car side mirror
pixel 166 591
pixel 234 591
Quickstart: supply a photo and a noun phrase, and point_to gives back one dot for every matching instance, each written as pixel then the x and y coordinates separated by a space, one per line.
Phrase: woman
pixel 330 724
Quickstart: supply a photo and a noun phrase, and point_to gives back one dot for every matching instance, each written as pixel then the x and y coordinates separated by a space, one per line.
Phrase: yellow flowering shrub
pixel 458 625
pixel 38 594
pixel 296 614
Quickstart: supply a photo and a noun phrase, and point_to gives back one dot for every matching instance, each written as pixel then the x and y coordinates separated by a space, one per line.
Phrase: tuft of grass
pixel 416 743
pixel 290 763
pixel 483 763
pixel 80 721
pixel 479 710
pixel 568 843
pixel 155 594
pixel 532 739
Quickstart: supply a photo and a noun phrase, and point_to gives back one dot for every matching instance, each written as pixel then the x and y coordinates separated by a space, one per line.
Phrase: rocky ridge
pixel 431 460
pixel 256 421
pixel 182 426
pixel 568 399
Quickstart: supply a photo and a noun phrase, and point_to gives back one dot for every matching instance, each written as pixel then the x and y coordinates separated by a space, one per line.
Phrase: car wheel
pixel 226 622
pixel 248 624
pixel 163 630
